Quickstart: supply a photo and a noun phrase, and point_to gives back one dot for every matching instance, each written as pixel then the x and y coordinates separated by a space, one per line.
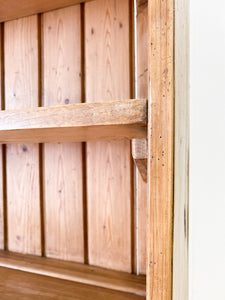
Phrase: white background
pixel 207 150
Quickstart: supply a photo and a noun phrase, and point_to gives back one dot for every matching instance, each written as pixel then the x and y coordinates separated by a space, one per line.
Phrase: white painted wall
pixel 207 150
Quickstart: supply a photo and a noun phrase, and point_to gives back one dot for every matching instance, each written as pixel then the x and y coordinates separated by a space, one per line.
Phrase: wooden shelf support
pixel 140 156
pixel 75 123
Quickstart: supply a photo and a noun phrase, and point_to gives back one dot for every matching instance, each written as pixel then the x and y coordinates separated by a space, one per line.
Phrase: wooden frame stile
pixel 160 150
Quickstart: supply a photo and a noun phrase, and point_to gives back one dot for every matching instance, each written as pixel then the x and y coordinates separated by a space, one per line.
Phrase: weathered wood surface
pixel 86 274
pixel 142 92
pixel 109 176
pixel 78 122
pixel 23 285
pixel 63 183
pixel 22 160
pixel 12 9
pixel 140 155
pixel 140 149
pixel 109 164
pixel 160 165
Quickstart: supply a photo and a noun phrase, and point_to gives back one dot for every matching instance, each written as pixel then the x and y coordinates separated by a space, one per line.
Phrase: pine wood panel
pixel 22 285
pixel 115 280
pixel 109 163
pixel 21 90
pixel 12 9
pixel 142 92
pixel 1 154
pixel 63 191
pixel 160 165
pixel 75 122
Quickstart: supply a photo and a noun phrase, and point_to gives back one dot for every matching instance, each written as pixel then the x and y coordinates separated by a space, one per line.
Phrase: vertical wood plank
pixel 160 165
pixel 63 192
pixel 21 90
pixel 109 175
pixel 181 163
pixel 142 92
pixel 1 154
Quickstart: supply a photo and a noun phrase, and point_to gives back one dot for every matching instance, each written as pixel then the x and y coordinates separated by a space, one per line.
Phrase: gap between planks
pixel 99 277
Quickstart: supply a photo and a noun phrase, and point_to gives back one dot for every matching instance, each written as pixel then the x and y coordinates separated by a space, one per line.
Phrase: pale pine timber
pixel 181 163
pixel 63 193
pixel 23 285
pixel 22 160
pixel 76 272
pixel 12 9
pixel 109 175
pixel 75 122
pixel 160 153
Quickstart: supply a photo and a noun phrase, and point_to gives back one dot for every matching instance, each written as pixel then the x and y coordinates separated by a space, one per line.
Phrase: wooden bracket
pixel 140 155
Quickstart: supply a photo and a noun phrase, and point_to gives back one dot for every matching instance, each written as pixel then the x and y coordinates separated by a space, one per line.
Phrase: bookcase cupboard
pixel 88 150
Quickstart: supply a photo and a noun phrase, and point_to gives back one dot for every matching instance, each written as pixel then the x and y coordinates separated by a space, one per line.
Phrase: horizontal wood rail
pixel 12 9
pixel 75 272
pixel 75 122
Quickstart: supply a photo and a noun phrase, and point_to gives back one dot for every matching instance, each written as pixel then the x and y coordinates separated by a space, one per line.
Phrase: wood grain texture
pixel 142 91
pixel 140 149
pixel 63 191
pixel 142 218
pixel 140 155
pixel 109 163
pixel 181 167
pixel 22 285
pixel 12 9
pixel 21 91
pixel 81 273
pixel 75 122
pixel 160 205
pixel 1 154
pixel 142 168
